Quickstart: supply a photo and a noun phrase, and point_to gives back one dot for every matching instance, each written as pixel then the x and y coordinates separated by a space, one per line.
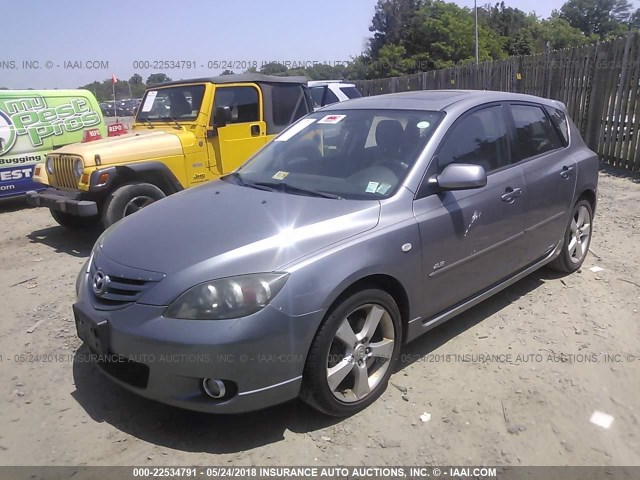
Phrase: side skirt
pixel 418 326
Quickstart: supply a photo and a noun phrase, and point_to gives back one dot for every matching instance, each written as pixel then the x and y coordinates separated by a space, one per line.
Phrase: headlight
pixel 231 297
pixel 49 165
pixel 78 167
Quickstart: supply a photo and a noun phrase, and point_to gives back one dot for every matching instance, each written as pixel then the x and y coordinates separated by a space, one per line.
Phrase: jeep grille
pixel 63 171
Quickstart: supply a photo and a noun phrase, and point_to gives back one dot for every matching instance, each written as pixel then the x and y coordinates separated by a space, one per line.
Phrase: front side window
pixel 534 132
pixel 330 97
pixel 480 138
pixel 351 154
pixel 171 104
pixel 243 102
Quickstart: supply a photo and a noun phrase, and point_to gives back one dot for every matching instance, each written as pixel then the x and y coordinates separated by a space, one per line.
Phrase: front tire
pixel 577 239
pixel 74 222
pixel 353 354
pixel 129 199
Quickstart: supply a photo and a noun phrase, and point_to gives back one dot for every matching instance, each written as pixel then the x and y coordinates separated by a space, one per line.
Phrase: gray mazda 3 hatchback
pixel 359 228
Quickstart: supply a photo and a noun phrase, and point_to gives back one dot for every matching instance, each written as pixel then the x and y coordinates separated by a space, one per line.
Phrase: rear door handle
pixel 255 130
pixel 566 172
pixel 510 194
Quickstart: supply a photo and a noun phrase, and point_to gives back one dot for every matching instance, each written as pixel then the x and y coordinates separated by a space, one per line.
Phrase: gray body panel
pixel 445 251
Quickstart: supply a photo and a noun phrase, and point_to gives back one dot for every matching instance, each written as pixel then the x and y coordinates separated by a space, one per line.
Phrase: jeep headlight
pixel 49 165
pixel 78 167
pixel 232 297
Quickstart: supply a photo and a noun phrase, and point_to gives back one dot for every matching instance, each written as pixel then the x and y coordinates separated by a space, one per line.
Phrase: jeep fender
pixel 156 173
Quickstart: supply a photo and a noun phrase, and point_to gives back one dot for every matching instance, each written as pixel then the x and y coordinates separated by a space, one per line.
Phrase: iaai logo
pixel 7 133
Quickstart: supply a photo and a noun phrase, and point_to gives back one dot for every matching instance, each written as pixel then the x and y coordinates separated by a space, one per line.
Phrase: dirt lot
pixel 530 406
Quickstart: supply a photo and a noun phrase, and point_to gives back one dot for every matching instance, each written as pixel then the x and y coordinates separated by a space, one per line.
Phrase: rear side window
pixel 480 138
pixel 289 104
pixel 560 119
pixel 534 132
pixel 351 92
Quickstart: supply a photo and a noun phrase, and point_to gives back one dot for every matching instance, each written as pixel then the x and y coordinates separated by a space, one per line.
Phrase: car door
pixel 549 172
pixel 471 239
pixel 229 146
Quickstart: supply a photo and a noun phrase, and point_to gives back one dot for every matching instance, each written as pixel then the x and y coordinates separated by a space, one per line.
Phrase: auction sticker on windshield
pixel 332 119
pixel 280 175
pixel 148 102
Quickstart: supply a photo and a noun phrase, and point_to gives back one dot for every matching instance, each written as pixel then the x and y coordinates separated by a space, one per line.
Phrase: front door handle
pixel 510 194
pixel 566 172
pixel 255 130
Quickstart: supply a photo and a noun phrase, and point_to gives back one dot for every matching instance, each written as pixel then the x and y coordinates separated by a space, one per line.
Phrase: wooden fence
pixel 599 84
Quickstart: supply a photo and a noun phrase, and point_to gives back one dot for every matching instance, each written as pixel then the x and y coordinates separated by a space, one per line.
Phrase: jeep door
pixel 549 169
pixel 471 239
pixel 244 134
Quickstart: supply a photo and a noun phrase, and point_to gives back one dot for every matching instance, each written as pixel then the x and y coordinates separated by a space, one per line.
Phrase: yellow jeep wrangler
pixel 185 133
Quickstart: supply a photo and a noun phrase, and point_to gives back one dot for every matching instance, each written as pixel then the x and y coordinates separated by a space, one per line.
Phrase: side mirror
pixel 222 116
pixel 462 176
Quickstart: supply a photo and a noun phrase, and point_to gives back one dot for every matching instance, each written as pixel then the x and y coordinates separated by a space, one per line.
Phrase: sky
pixel 65 44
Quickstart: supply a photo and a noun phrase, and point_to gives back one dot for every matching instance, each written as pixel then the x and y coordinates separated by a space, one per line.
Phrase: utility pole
pixel 475 7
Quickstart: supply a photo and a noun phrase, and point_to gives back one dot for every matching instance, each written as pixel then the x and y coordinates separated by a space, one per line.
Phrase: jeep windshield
pixel 171 104
pixel 349 154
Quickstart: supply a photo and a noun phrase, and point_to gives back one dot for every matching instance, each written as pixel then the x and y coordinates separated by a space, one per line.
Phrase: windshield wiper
pixel 173 120
pixel 235 176
pixel 285 187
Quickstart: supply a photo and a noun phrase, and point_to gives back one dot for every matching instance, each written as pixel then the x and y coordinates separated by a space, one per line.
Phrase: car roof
pixel 436 100
pixel 239 78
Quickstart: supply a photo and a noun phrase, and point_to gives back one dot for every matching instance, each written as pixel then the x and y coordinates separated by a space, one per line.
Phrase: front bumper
pixel 262 356
pixel 62 202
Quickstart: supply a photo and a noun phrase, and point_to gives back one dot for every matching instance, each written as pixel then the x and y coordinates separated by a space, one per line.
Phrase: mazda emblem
pixel 100 283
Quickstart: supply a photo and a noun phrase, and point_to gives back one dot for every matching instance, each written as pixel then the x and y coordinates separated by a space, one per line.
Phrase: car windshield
pixel 172 103
pixel 349 154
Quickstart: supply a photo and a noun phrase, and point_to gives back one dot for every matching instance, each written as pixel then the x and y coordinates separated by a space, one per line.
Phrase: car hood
pixel 130 147
pixel 221 229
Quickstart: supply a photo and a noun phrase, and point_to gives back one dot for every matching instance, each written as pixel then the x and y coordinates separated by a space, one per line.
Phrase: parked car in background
pixel 185 133
pixel 302 272
pixel 327 92
pixel 35 122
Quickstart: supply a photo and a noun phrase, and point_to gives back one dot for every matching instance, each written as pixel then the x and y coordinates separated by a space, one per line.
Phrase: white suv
pixel 326 92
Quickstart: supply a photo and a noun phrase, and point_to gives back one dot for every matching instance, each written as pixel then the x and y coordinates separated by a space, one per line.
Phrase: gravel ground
pixel 563 348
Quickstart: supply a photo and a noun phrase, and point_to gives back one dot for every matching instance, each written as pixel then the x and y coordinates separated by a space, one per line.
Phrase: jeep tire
pixel 128 199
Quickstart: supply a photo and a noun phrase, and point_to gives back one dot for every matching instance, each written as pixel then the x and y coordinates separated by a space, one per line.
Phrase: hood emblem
pixel 100 283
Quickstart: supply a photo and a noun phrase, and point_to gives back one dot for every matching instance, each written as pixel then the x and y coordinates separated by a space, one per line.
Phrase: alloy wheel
pixel 580 234
pixel 360 353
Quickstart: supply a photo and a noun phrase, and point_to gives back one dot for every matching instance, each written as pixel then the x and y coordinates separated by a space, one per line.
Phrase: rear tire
pixel 75 222
pixel 353 354
pixel 127 200
pixel 577 239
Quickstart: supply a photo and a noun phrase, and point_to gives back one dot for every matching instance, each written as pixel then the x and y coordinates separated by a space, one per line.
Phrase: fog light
pixel 214 388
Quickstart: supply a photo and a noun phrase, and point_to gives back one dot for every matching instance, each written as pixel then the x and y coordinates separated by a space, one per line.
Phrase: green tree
pixel 228 72
pixel 604 18
pixel 156 78
pixel 390 21
pixel 273 68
